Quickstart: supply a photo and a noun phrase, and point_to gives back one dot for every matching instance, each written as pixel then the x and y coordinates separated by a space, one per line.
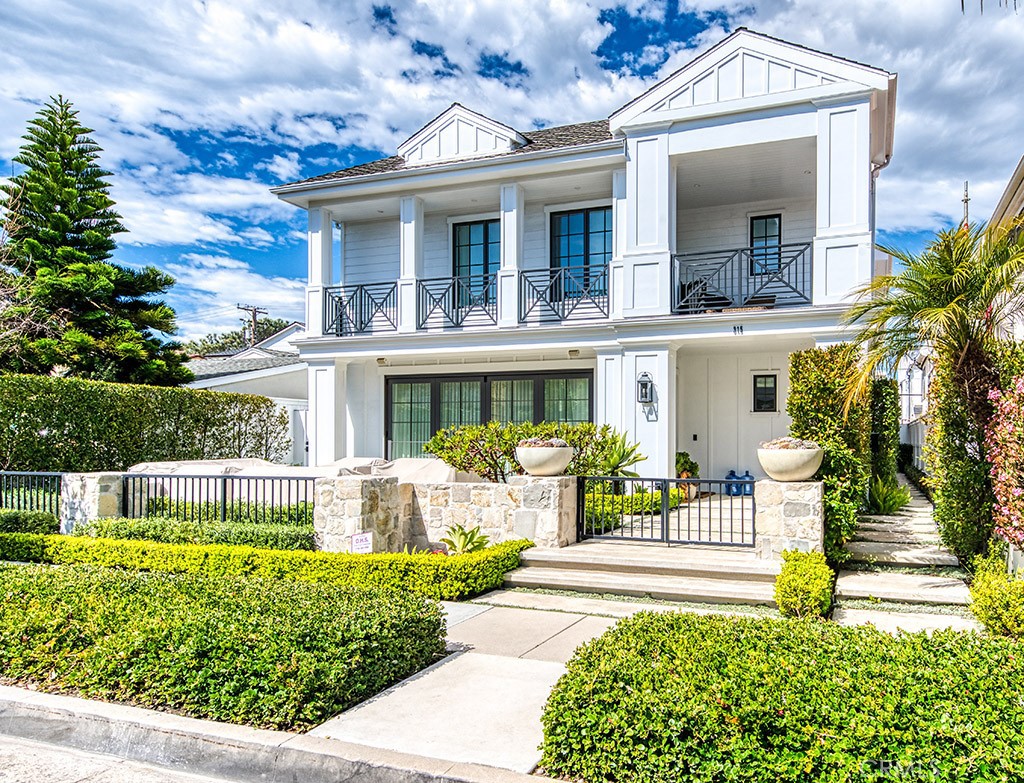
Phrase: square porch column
pixel 320 271
pixel 410 260
pixel 513 215
pixel 650 226
pixel 844 234
pixel 326 419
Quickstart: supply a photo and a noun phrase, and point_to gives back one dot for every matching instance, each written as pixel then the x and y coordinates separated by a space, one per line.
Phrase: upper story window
pixel 476 248
pixel 765 244
pixel 581 237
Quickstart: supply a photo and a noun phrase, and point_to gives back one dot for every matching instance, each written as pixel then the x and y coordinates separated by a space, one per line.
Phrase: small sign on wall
pixel 362 544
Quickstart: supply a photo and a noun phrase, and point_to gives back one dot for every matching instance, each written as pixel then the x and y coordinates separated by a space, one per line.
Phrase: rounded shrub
pixel 680 698
pixel 997 598
pixel 804 586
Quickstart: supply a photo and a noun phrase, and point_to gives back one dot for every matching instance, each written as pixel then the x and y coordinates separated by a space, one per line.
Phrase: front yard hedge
pixel 263 535
pixel 18 521
pixel 442 577
pixel 676 698
pixel 274 655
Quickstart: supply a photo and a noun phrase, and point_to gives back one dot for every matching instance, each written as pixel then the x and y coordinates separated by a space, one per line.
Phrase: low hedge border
pixel 443 577
pixel 20 521
pixel 285 655
pixel 675 697
pixel 262 535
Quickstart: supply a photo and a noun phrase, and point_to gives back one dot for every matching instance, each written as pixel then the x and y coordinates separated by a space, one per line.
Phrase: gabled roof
pixel 746 64
pixel 456 133
pixel 560 137
pixel 204 369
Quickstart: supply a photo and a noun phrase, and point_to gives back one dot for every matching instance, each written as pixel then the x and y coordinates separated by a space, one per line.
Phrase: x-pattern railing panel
pixel 361 309
pixel 563 293
pixel 463 300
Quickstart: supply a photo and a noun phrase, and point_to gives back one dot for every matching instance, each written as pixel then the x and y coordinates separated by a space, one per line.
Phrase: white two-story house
pixel 652 270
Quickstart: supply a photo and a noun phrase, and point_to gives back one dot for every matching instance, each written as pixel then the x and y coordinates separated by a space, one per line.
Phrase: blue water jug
pixel 730 488
pixel 748 489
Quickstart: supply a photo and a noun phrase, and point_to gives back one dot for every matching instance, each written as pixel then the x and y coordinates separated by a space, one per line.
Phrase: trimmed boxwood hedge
pixel 263 535
pixel 235 511
pixel 17 521
pixel 431 575
pixel 674 697
pixel 274 655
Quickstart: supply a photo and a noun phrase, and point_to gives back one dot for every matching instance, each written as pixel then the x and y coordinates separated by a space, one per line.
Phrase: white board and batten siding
pixel 727 227
pixel 370 252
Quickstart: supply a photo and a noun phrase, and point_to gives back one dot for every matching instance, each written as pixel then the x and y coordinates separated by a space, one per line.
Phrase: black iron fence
pixel 671 511
pixel 562 293
pixel 464 300
pixel 361 309
pixel 778 276
pixel 256 499
pixel 30 491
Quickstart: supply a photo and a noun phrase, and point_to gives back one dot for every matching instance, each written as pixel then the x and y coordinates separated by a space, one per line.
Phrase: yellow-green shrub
pixel 997 598
pixel 804 586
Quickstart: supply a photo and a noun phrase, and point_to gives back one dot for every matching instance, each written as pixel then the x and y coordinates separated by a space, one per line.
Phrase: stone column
pixel 88 496
pixel 788 515
pixel 349 505
pixel 547 513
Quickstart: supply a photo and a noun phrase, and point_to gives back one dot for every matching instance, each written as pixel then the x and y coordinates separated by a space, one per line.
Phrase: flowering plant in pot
pixel 687 468
pixel 790 459
pixel 544 456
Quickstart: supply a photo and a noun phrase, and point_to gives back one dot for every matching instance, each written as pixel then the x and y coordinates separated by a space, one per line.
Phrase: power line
pixel 254 313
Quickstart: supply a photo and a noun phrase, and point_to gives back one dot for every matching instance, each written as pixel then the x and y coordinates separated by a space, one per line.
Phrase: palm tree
pixel 958 296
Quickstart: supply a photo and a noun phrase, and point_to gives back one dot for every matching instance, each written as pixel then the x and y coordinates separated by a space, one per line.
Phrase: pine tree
pixel 95 318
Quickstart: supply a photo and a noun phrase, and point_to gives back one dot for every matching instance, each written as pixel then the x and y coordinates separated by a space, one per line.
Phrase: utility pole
pixel 254 313
pixel 967 200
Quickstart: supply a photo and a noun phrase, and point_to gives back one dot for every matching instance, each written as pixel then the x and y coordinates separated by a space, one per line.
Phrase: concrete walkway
pixel 903 567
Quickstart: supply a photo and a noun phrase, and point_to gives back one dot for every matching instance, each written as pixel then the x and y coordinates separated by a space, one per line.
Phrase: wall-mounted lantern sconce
pixel 645 389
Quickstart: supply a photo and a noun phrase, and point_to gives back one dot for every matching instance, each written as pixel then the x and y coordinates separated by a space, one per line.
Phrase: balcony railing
pixel 361 309
pixel 745 277
pixel 469 300
pixel 563 293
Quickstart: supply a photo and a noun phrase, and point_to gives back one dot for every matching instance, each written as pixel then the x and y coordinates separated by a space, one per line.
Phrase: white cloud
pixel 283 167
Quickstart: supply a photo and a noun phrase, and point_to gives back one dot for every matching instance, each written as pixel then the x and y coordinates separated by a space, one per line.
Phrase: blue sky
pixel 202 106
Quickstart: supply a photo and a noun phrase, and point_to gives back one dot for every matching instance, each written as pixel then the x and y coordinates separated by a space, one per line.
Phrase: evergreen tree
pixel 235 340
pixel 93 318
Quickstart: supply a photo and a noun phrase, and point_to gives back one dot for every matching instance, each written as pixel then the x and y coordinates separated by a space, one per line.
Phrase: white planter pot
pixel 790 464
pixel 544 460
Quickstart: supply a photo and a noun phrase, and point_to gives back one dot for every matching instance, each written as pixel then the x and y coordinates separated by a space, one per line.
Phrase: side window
pixel 766 395
pixel 765 244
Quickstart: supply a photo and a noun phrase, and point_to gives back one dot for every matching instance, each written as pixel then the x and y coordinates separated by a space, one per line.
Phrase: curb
pixel 221 750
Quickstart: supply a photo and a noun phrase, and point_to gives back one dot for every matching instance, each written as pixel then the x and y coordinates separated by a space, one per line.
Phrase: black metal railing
pixel 361 309
pixel 270 499
pixel 463 300
pixel 743 277
pixel 566 292
pixel 672 511
pixel 30 491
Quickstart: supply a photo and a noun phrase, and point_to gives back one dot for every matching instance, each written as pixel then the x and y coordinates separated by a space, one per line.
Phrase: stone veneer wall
pixel 788 515
pixel 540 509
pixel 88 496
pixel 346 505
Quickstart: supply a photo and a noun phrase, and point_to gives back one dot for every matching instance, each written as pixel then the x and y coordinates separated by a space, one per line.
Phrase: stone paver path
pixel 901 563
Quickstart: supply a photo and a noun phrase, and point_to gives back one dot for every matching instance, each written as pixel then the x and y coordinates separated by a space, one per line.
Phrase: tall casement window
pixel 476 255
pixel 765 243
pixel 580 240
pixel 417 407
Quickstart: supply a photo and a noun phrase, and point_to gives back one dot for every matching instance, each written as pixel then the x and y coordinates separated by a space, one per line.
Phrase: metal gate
pixel 671 511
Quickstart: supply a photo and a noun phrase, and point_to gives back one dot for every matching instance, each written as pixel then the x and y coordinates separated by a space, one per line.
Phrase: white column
pixel 619 229
pixel 325 422
pixel 650 225
pixel 652 426
pixel 320 244
pixel 411 260
pixel 842 241
pixel 611 389
pixel 513 215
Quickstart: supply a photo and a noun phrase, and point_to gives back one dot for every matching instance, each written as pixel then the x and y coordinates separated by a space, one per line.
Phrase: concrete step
pixel 640 559
pixel 896 536
pixel 900 554
pixel 583 603
pixel 910 622
pixel 902 588
pixel 660 586
pixel 924 526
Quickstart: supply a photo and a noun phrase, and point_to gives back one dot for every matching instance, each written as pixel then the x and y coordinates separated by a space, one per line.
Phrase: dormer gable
pixel 746 65
pixel 458 133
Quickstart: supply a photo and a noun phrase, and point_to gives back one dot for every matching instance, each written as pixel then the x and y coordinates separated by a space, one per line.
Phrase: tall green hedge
pixel 885 428
pixel 73 425
pixel 818 380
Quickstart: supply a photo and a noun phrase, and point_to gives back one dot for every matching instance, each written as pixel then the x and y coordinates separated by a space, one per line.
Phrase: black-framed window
pixel 765 243
pixel 766 393
pixel 418 406
pixel 476 256
pixel 580 240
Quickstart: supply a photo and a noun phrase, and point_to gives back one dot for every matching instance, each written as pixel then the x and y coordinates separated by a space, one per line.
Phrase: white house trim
pixel 251 375
pixel 456 133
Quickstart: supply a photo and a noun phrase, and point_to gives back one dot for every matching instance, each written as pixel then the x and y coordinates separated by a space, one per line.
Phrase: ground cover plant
pixel 264 535
pixel 678 698
pixel 274 655
pixel 430 575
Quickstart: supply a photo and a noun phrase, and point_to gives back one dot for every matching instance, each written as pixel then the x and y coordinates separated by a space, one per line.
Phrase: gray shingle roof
pixel 217 367
pixel 559 137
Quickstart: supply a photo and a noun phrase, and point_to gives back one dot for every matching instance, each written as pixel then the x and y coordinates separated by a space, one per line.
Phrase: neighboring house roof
pixel 559 137
pixel 1011 203
pixel 280 337
pixel 252 360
